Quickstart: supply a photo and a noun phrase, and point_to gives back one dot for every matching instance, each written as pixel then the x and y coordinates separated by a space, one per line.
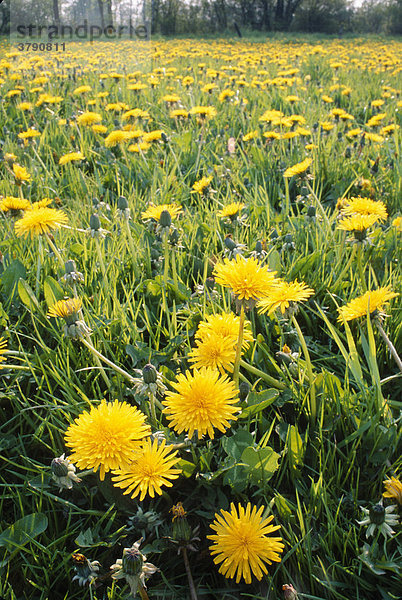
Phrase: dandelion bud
pixel 94 222
pixel 165 220
pixel 289 592
pixel 59 467
pixel 258 247
pixel 304 191
pixel 229 243
pixel 348 152
pixel 181 530
pixel 288 239
pixel 377 514
pixel 154 254
pixel 244 390
pixel 164 137
pixel 95 202
pixel 274 235
pixel 122 203
pixel 132 561
pixel 311 211
pixel 70 266
pixel 149 374
pixel 174 237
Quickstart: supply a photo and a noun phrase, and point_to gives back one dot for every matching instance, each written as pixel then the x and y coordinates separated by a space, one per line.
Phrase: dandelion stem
pixel 360 267
pixel 151 398
pixel 236 367
pixel 16 367
pixel 100 258
pixel 130 243
pixel 390 345
pixel 264 376
pixel 55 249
pixel 193 592
pixel 107 361
pixel 38 266
pixel 142 592
pixel 313 406
pixel 345 268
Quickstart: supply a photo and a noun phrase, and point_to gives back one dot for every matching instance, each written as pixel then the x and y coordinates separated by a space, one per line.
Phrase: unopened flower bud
pixel 70 266
pixel 149 374
pixel 229 243
pixel 174 237
pixel 304 191
pixel 122 203
pixel 165 219
pixel 289 592
pixel 348 152
pixel 258 247
pixel 59 467
pixel 94 222
pixel 311 211
pixel 377 514
pixel 132 561
pixel 244 390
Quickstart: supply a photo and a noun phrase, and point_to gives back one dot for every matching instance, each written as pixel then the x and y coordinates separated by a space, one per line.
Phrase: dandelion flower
pixel 378 517
pixel 39 221
pixel 150 469
pixel 116 137
pixel 215 352
pixel 154 212
pixel 231 210
pixel 203 112
pixel 225 325
pixel 200 185
pixel 89 118
pixel 365 206
pixel 283 295
pixel 70 157
pixel 202 401
pixel 20 174
pixel 245 276
pixel 393 489
pixel 65 308
pixel 299 168
pixel 13 204
pixel 371 301
pixel 107 436
pixel 242 544
pixel 357 222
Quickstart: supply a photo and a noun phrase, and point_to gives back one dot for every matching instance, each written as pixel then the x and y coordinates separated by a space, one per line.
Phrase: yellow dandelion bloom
pixel 171 98
pixel 377 103
pixel 393 489
pixel 231 210
pixel 150 470
pixel 89 118
pixel 153 136
pixel 357 222
pixel 397 222
pixel 154 212
pixel 245 276
pixel 214 351
pixel 99 128
pixel 179 113
pixel 299 168
pixel 203 400
pixel 374 137
pixel 106 437
pixel 3 350
pixel 200 185
pixel 82 89
pixel 225 325
pixel 29 133
pixel 327 99
pixel 284 294
pixel 370 302
pixel 65 308
pixel 354 132
pixel 12 203
pixel 40 220
pixel 25 106
pixel 40 203
pixel 70 157
pixel 203 112
pixel 365 206
pixel 20 173
pixel 241 543
pixel 252 135
pixel 116 137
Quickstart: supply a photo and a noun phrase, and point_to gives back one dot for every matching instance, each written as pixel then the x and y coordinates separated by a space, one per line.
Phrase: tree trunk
pixel 109 13
pixel 101 14
pixel 56 12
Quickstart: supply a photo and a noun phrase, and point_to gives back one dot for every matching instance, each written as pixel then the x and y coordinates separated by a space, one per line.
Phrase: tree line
pixel 183 17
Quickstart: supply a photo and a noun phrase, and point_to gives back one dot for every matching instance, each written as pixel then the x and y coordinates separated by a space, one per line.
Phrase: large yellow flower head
pixel 282 295
pixel 365 206
pixel 203 112
pixel 39 221
pixel 66 309
pixel 214 351
pixel 231 210
pixel 13 204
pixel 200 185
pixel 71 157
pixel 225 325
pixel 357 222
pixel 370 302
pixel 393 489
pixel 89 118
pixel 241 542
pixel 299 168
pixel 20 174
pixel 150 469
pixel 117 137
pixel 203 400
pixel 248 279
pixel 154 212
pixel 107 436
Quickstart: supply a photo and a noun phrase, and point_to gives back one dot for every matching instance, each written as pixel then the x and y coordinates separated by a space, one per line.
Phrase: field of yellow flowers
pixel 199 326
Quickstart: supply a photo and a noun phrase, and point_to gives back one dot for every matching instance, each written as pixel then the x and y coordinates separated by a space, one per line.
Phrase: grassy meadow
pixel 228 212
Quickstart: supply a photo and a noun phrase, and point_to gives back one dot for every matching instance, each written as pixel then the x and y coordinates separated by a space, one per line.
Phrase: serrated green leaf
pixel 53 291
pixel 27 295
